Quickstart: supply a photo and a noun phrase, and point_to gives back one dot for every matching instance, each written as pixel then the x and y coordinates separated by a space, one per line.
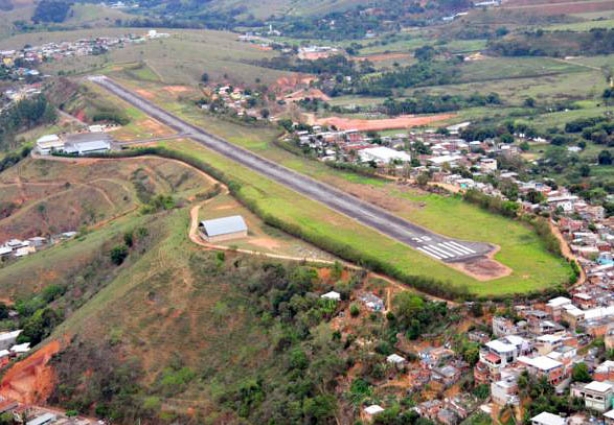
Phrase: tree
pixel 423 179
pixel 204 78
pixel 424 53
pixel 580 373
pixel 585 170
pixel 118 254
pixel 529 102
pixel 604 157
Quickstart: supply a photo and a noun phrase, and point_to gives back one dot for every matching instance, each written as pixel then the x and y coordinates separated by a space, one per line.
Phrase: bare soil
pixel 31 380
pixel 405 121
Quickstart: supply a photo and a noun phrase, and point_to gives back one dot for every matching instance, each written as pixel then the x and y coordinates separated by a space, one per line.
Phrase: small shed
pixel 223 229
pixel 332 295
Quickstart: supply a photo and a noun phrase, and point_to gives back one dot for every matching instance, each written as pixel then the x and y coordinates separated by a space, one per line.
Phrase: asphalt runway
pixel 428 243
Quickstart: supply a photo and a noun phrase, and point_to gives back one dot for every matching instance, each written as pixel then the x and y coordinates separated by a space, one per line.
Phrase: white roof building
pixel 542 363
pixel 383 155
pixel 332 295
pixel 46 144
pixel 546 418
pixel 21 348
pixel 558 302
pixel 374 409
pixel 395 358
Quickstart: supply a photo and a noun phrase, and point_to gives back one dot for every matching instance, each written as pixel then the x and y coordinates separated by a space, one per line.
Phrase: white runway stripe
pixel 454 249
pixel 443 253
pixel 429 253
pixel 437 251
pixel 471 251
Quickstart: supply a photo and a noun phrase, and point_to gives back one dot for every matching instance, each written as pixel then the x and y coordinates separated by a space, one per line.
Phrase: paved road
pixel 429 243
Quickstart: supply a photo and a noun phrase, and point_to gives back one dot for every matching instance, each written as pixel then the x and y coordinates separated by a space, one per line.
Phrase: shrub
pixel 118 254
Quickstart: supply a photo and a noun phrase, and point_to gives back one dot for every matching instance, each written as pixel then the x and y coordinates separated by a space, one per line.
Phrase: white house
pixel 48 144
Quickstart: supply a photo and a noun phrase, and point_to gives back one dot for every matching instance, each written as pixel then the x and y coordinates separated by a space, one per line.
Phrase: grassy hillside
pixel 180 59
pixel 52 197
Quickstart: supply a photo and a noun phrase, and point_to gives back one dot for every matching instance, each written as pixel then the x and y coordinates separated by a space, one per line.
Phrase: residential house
pixel 597 395
pixel 546 418
pixel 555 307
pixel 544 366
pixel 604 371
pixel 446 375
pixel 498 353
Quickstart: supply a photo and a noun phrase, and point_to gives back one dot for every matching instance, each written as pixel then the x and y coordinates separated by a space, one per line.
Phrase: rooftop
pixel 542 363
pixel 598 386
pixel 224 226
pixel 546 418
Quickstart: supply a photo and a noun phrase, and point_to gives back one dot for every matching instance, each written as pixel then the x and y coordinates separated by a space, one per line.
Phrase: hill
pixel 174 331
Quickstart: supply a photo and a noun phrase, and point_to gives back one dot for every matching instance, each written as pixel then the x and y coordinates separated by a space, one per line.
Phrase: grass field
pixel 377 191
pixel 180 59
pixel 261 237
pixel 545 272
pixel 582 26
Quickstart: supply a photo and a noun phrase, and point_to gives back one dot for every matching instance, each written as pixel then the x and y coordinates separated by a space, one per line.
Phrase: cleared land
pixel 401 122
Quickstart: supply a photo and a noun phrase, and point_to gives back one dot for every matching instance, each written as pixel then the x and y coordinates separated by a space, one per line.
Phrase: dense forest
pixel 50 11
pixel 597 41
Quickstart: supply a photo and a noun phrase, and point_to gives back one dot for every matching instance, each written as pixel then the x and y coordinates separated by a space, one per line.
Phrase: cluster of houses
pixel 93 142
pixel 547 340
pixel 17 248
pixel 226 98
pixel 27 414
pixel 438 369
pixel 30 56
pixel 353 146
pixel 431 150
pixel 9 348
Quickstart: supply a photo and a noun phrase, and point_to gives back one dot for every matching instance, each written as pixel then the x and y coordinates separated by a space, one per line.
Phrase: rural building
pixel 47 418
pixel 332 295
pixel 373 410
pixel 383 156
pixel 88 143
pixel 49 144
pixel 223 229
pixel 8 339
pixel 546 418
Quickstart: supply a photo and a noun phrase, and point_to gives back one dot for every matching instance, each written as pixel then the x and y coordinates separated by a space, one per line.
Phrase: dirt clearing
pixel 405 121
pixel 31 380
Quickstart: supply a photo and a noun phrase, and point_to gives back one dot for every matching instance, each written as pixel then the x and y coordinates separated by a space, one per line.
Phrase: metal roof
pixel 89 146
pixel 88 137
pixel 224 226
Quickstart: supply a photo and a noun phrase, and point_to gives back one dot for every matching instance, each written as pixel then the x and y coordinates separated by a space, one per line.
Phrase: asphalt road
pixel 429 243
